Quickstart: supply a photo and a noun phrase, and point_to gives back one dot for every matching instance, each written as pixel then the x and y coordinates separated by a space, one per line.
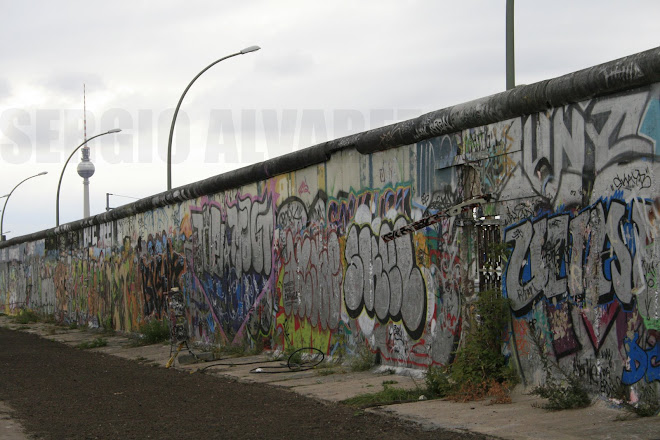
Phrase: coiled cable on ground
pixel 297 361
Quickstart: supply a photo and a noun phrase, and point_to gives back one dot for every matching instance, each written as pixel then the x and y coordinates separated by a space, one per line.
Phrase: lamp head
pixel 250 49
pixel 42 173
pixel 114 130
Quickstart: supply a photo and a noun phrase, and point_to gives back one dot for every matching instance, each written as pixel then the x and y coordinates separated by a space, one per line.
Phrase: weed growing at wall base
pixel 566 393
pixel 95 343
pixel 237 350
pixel 154 331
pixel 437 382
pixel 388 396
pixel 26 316
pixel 480 368
pixel 364 359
pixel 647 404
pixel 49 319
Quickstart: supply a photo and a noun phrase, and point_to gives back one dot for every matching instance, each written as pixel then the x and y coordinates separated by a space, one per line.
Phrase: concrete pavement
pixel 10 427
pixel 520 419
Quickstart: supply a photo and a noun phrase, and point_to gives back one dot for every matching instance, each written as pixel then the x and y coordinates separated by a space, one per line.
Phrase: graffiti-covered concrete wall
pixel 291 252
pixel 580 213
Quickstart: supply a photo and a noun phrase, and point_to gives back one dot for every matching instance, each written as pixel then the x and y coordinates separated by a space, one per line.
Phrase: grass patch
pixel 73 326
pixel 437 381
pixel 49 319
pixel 563 392
pixel 154 332
pixel 327 368
pixel 237 350
pixel 25 316
pixel 95 343
pixel 479 364
pixel 294 356
pixel 480 369
pixel 107 323
pixel 647 404
pixel 388 396
pixel 329 364
pixel 569 394
pixel 108 331
pixel 364 360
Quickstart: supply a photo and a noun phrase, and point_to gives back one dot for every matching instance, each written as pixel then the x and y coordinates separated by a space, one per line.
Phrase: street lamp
pixel 2 197
pixel 176 111
pixel 4 208
pixel 57 202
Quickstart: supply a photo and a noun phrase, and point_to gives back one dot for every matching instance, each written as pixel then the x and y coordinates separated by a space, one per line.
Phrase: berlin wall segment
pixel 297 256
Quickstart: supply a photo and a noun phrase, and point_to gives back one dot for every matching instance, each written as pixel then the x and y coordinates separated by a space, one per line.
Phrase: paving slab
pixel 521 419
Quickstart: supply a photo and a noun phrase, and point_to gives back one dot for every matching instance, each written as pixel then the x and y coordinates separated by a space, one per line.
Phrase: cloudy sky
pixel 325 70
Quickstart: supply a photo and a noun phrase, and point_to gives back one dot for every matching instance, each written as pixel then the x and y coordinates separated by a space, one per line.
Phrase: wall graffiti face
pixel 309 252
pixel 584 243
pixel 595 256
pixel 299 258
pixel 383 279
pixel 231 254
pixel 160 269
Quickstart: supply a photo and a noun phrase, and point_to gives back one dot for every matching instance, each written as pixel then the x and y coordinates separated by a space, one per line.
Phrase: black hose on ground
pixel 292 364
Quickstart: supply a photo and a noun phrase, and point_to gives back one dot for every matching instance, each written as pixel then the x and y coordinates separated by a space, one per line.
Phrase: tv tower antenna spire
pixel 84 115
pixel 85 167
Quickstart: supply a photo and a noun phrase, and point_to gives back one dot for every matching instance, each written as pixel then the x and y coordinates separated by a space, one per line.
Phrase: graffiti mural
pixel 309 254
pixel 601 250
pixel 383 278
pixel 584 242
pixel 231 257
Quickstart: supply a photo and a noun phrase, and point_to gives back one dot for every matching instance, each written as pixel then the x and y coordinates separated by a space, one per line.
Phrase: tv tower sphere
pixel 86 167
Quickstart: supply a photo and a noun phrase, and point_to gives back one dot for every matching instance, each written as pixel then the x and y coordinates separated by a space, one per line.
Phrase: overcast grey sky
pixel 326 69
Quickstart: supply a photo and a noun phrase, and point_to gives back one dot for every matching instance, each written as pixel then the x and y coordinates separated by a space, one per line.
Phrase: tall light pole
pixel 176 111
pixel 510 52
pixel 57 202
pixel 4 208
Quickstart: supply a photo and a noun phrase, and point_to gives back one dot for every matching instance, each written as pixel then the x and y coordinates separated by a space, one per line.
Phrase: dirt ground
pixel 60 392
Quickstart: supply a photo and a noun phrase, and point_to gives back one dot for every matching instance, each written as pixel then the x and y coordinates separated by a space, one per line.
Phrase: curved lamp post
pixel 4 208
pixel 176 111
pixel 57 203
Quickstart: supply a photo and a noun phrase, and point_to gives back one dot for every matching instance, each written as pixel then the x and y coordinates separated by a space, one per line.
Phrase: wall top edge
pixel 607 78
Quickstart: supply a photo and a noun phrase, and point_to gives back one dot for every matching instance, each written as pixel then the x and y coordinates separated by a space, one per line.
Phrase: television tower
pixel 85 167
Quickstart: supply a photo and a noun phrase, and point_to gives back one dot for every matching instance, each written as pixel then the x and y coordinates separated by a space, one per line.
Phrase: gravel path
pixel 59 392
